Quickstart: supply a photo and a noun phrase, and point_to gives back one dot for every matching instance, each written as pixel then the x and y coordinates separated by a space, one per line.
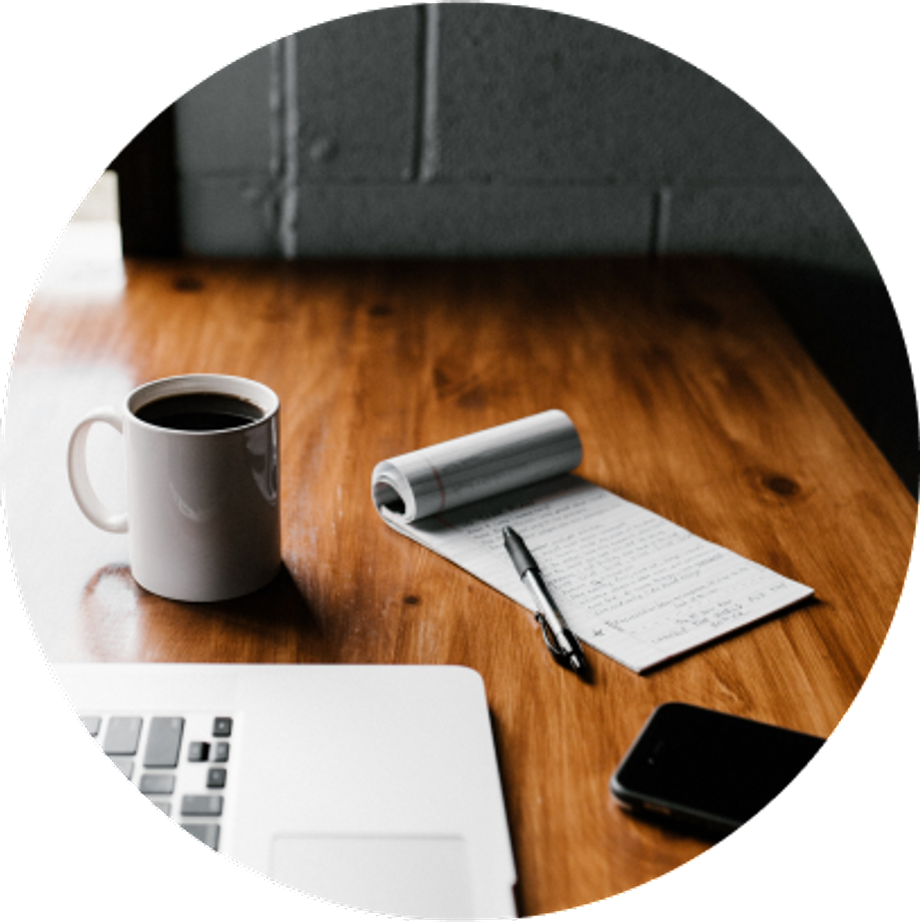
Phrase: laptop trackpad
pixel 416 876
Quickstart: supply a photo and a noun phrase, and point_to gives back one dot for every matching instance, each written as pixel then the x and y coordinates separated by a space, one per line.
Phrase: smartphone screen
pixel 709 768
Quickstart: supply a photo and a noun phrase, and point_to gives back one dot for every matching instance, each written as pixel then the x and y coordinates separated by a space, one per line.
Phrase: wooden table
pixel 692 399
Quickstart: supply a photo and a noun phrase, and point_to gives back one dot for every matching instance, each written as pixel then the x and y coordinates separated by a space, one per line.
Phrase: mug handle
pixel 83 491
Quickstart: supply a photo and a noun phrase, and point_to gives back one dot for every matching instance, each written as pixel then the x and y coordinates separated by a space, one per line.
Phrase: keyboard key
pixel 164 805
pixel 125 765
pixel 209 833
pixel 157 784
pixel 163 742
pixel 92 724
pixel 198 752
pixel 217 777
pixel 222 726
pixel 202 805
pixel 122 736
pixel 221 752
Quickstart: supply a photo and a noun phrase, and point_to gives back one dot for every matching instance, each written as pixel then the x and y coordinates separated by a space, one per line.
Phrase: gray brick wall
pixel 479 129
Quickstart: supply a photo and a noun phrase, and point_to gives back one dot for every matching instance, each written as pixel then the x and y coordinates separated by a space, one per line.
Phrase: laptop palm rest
pixel 410 876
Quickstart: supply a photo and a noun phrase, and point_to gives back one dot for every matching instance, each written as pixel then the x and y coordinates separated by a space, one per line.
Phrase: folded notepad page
pixel 631 584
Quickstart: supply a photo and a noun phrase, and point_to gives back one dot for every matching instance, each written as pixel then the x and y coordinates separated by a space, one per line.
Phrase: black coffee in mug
pixel 199 412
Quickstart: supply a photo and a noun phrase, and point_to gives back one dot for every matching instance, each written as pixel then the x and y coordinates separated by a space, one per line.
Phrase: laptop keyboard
pixel 180 763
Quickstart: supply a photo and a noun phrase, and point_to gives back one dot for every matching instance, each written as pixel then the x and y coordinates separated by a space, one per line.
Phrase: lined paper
pixel 630 583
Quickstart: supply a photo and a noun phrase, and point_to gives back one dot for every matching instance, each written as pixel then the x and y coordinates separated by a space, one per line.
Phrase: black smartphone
pixel 710 770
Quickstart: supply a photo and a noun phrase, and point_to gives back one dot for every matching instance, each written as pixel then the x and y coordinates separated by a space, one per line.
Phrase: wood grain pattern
pixel 692 399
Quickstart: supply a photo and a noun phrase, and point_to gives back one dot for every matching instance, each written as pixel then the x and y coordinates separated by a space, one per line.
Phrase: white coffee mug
pixel 203 510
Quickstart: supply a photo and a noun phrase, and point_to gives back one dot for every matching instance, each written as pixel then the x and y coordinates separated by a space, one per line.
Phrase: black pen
pixel 562 643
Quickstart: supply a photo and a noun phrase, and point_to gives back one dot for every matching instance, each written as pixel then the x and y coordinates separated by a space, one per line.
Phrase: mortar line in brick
pixel 426 166
pixel 289 193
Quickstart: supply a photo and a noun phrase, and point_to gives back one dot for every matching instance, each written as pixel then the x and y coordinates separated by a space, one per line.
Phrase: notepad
pixel 631 584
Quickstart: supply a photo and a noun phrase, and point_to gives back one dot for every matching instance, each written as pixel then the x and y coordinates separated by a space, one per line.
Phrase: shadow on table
pixel 121 621
pixel 847 323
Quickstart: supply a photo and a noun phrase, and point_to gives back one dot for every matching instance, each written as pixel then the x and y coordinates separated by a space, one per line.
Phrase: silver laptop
pixel 376 787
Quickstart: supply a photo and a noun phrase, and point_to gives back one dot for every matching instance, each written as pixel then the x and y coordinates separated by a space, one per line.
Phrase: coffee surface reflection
pixel 199 412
